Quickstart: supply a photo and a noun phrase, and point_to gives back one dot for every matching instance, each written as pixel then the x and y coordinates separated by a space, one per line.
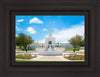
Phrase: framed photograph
pixel 40 37
pixel 49 39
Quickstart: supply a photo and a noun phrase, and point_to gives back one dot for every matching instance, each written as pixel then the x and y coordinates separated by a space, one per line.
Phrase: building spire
pixel 50 29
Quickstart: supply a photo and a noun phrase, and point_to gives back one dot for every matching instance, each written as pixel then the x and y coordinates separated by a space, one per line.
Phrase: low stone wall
pixel 40 49
pixel 56 49
pixel 59 49
pixel 50 53
pixel 68 54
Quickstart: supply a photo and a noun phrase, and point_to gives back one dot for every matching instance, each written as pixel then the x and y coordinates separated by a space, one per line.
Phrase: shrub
pixel 22 47
pixel 77 49
pixel 20 56
pixel 28 48
pixel 76 57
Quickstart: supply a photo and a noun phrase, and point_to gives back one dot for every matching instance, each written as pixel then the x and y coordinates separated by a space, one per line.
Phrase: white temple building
pixel 50 46
pixel 49 40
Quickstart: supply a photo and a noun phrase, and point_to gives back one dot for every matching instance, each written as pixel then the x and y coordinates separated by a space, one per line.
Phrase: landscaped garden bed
pixel 23 56
pixel 76 57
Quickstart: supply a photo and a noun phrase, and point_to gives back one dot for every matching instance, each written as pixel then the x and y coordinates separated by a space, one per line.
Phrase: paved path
pixel 50 58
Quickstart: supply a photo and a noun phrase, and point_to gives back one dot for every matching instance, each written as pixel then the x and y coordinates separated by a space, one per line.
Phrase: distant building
pixel 63 45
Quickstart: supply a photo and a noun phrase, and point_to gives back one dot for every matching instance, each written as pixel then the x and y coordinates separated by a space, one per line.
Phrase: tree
pixel 82 43
pixel 23 40
pixel 75 41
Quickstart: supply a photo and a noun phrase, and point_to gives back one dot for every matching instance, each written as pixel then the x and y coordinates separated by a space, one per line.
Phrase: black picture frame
pixel 56 12
pixel 8 67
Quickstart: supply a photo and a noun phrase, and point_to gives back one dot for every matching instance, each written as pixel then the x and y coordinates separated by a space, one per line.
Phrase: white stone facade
pixel 49 41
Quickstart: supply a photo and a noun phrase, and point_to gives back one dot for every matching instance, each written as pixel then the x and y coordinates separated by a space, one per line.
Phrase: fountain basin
pixel 54 51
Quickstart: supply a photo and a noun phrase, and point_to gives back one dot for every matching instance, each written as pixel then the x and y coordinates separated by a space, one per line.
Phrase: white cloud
pixel 20 20
pixel 31 30
pixel 45 29
pixel 18 29
pixel 36 21
pixel 42 41
pixel 64 35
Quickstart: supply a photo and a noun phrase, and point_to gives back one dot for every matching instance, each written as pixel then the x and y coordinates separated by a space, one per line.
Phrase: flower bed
pixel 20 56
pixel 76 57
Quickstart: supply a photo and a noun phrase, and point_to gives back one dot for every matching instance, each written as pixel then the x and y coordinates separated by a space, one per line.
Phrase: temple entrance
pixel 50 42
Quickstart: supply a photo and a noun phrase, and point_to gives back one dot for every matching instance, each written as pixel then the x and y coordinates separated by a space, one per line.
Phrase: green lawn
pixel 68 49
pixel 71 49
pixel 44 61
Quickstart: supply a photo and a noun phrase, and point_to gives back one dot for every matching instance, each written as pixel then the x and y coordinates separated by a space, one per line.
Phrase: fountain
pixel 50 51
pixel 49 48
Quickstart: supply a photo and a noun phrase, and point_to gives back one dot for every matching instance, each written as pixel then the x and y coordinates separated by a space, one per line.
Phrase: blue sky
pixel 63 27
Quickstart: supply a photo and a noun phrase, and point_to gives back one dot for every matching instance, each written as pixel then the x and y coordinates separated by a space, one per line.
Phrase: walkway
pixel 50 58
